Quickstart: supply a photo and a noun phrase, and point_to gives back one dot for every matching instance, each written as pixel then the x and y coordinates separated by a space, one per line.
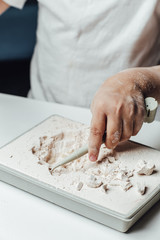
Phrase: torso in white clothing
pixel 80 43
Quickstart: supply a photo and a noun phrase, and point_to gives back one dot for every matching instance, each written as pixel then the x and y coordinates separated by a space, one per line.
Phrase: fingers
pixel 124 120
pixel 98 125
pixel 127 126
pixel 114 131
pixel 132 120
pixel 138 121
pixel 128 120
pixel 138 115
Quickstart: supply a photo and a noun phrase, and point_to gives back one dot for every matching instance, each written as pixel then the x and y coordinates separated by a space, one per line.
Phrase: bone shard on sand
pixel 93 182
pixel 111 159
pixel 79 186
pixel 119 177
pixel 34 155
pixel 107 172
pixel 144 168
pixel 126 185
pixel 33 150
pixel 105 188
pixel 141 187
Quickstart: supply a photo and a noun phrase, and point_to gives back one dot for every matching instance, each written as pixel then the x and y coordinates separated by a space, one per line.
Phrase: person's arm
pixel 5 4
pixel 118 106
pixel 3 7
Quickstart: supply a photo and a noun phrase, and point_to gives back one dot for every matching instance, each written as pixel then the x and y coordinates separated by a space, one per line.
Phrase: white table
pixel 23 216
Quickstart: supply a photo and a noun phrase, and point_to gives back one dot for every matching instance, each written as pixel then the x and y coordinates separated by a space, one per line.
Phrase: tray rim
pixel 71 196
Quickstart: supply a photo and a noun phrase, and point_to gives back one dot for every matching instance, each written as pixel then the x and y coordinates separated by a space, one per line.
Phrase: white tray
pixel 74 203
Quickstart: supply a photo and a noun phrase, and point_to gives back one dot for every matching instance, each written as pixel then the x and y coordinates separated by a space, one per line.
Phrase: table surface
pixel 24 216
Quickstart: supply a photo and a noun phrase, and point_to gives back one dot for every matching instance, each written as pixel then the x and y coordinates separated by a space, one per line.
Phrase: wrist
pixel 148 80
pixel 143 80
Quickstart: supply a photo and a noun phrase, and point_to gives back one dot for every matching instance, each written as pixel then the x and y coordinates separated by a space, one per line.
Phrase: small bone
pixel 33 149
pixel 145 168
pixel 105 188
pixel 141 188
pixel 130 174
pixel 111 159
pixel 121 175
pixel 93 182
pixel 102 156
pixel 126 185
pixel 79 186
pixel 104 153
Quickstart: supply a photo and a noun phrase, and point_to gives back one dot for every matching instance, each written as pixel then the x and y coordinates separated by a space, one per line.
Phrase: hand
pixel 3 6
pixel 117 108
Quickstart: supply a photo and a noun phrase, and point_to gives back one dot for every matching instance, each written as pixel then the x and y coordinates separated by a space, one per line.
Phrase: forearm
pixel 153 89
pixel 3 6
pixel 147 79
pixel 118 107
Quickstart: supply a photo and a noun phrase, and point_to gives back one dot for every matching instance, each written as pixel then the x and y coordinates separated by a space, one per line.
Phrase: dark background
pixel 17 40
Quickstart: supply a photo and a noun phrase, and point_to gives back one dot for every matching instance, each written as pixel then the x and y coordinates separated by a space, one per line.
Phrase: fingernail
pixel 92 158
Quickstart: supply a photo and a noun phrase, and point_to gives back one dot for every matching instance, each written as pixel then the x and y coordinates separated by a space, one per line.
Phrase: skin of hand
pixel 118 107
pixel 3 7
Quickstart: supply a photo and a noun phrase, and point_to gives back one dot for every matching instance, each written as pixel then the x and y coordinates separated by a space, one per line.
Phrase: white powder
pixel 114 173
pixel 116 137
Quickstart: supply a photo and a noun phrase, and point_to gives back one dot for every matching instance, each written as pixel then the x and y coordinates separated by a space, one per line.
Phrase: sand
pixel 115 181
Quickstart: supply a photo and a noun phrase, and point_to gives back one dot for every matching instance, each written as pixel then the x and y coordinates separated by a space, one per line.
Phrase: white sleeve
pixel 15 3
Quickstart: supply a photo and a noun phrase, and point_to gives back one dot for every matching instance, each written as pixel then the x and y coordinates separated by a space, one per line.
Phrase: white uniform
pixel 80 43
